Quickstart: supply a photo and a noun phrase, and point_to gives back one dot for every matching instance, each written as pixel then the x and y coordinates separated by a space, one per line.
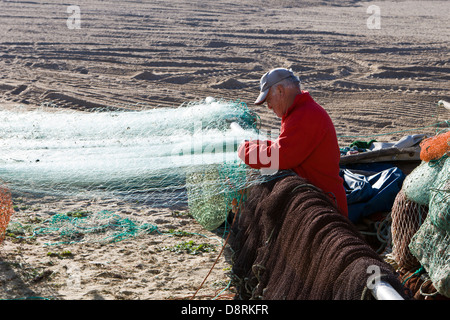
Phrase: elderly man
pixel 307 143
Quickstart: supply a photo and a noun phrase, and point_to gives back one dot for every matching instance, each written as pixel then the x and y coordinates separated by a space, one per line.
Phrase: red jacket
pixel 307 144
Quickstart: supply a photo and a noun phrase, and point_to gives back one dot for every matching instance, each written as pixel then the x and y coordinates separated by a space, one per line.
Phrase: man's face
pixel 275 101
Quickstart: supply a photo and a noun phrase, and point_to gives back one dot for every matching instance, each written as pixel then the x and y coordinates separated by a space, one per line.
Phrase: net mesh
pixel 420 216
pixel 100 227
pixel 435 148
pixel 418 183
pixel 439 213
pixel 165 157
pixel 291 243
pixel 210 205
pixel 418 282
pixel 407 217
pixel 430 246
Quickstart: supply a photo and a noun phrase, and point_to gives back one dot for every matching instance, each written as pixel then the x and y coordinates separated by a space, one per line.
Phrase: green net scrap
pixel 101 227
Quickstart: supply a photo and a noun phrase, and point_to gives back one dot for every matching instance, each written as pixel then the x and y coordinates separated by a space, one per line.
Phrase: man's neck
pixel 292 94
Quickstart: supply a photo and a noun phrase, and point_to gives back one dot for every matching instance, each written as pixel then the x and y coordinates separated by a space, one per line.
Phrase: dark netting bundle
pixel 290 242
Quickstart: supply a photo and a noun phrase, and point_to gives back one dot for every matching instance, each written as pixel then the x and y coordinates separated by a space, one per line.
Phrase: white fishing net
pixel 163 157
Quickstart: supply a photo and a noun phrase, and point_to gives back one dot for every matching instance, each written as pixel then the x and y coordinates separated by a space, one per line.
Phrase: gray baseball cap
pixel 273 77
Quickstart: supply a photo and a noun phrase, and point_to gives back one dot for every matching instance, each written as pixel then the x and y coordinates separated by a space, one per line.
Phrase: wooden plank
pixel 383 155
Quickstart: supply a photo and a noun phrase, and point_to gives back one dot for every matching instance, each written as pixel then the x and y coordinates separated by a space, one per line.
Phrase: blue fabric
pixel 368 194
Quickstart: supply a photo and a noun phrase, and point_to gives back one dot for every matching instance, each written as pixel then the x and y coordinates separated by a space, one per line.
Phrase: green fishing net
pixel 181 157
pixel 99 227
pixel 216 190
pixel 417 185
pixel 209 209
pixel 430 245
pixel 439 208
pixel 429 185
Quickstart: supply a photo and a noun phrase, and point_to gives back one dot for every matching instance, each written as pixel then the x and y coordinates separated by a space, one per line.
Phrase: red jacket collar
pixel 298 101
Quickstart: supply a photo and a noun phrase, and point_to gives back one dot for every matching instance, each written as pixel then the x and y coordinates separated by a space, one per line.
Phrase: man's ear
pixel 280 90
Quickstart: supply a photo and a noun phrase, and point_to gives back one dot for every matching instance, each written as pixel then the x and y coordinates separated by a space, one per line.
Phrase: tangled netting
pixel 100 227
pixel 431 246
pixel 421 216
pixel 6 210
pixel 290 242
pixel 164 157
pixel 418 282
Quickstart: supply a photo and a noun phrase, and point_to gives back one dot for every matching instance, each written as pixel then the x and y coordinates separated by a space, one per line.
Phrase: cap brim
pixel 262 97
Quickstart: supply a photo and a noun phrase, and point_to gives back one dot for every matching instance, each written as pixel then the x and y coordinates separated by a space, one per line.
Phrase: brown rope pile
pixel 418 282
pixel 290 242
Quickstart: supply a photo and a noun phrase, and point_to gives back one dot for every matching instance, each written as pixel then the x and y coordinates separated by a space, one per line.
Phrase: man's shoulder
pixel 308 107
pixel 309 116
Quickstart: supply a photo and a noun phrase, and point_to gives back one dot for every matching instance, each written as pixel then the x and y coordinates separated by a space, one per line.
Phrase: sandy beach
pixel 377 81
